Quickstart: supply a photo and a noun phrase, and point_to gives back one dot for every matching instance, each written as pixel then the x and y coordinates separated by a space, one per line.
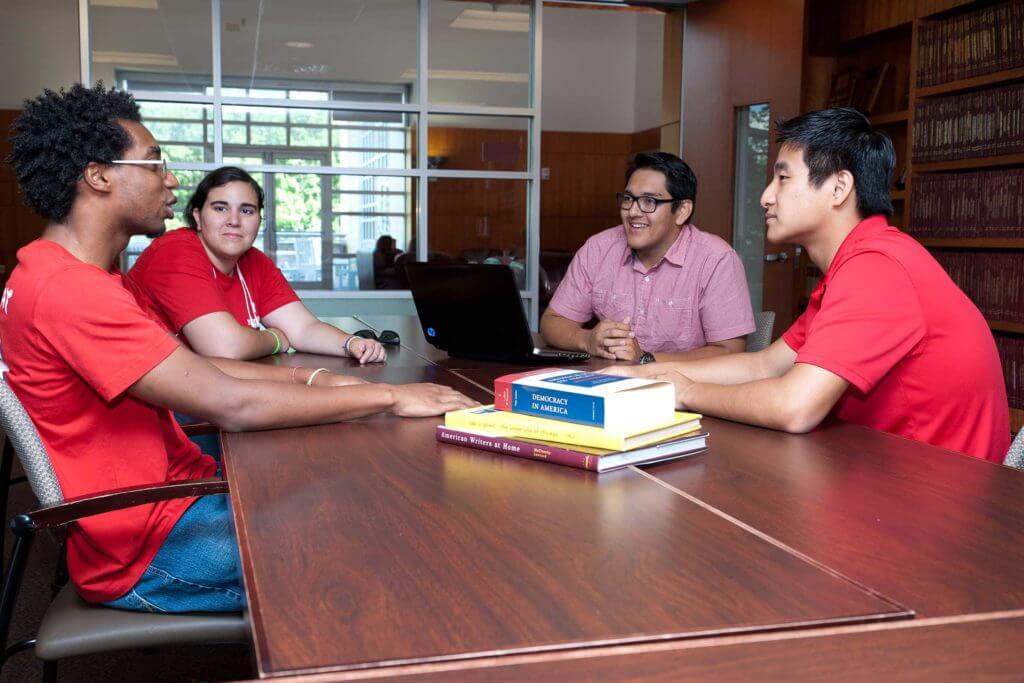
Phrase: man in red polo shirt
pixel 887 340
pixel 98 373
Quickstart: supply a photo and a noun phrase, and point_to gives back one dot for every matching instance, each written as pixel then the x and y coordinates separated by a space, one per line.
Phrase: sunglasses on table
pixel 386 336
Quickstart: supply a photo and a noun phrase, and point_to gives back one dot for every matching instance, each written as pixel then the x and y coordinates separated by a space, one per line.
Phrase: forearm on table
pixel 563 333
pixel 241 369
pixel 320 337
pixel 293 405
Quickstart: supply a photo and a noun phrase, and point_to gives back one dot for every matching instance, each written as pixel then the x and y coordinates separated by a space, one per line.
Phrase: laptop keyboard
pixel 554 354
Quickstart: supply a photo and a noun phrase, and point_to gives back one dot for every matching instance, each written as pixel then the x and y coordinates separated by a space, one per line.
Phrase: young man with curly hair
pixel 887 340
pixel 99 374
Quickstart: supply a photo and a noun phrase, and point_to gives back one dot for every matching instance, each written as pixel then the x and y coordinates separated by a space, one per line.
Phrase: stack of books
pixel 581 419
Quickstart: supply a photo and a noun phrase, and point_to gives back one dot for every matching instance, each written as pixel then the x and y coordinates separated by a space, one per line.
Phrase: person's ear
pixel 195 217
pixel 98 177
pixel 684 212
pixel 842 188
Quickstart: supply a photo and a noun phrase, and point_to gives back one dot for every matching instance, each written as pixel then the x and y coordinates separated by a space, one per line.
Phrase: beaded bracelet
pixel 347 342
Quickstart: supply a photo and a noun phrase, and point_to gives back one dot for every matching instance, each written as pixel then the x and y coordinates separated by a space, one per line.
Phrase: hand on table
pixel 425 400
pixel 678 380
pixel 367 350
pixel 606 336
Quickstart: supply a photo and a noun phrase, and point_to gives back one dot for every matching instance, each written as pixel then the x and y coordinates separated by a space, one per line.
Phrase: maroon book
pixel 593 459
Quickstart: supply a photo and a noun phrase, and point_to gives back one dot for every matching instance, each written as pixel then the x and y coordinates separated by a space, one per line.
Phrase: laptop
pixel 475 311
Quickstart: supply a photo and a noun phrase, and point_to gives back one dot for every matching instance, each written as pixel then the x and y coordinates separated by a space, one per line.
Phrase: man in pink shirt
pixel 661 288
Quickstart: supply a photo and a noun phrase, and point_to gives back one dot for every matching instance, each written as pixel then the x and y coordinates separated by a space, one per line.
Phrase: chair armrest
pixel 117 499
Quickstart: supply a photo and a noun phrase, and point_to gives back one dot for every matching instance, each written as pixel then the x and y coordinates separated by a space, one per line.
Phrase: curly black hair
pixel 58 134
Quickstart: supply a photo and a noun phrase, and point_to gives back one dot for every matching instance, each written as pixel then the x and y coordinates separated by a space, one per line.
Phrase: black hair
pixel 842 139
pixel 218 178
pixel 680 180
pixel 58 134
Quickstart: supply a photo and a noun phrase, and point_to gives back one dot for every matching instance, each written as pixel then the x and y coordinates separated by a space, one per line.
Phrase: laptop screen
pixel 472 310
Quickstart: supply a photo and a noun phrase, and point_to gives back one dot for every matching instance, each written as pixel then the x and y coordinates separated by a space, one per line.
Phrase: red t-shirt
pixel 74 338
pixel 182 282
pixel 917 353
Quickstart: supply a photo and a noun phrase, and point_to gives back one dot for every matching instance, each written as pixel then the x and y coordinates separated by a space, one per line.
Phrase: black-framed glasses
pixel 646 204
pixel 386 336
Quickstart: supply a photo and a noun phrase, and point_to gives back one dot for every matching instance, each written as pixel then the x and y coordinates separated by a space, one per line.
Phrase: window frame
pixel 420 107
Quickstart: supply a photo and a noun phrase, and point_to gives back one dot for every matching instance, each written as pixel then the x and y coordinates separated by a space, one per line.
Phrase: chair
pixel 761 337
pixel 1015 455
pixel 72 626
pixel 364 269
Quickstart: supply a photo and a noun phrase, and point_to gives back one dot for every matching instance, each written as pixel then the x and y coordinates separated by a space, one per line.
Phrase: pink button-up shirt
pixel 695 295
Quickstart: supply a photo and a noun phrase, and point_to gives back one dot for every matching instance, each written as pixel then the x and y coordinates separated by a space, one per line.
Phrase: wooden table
pixel 368 544
pixel 940 532
pixel 967 649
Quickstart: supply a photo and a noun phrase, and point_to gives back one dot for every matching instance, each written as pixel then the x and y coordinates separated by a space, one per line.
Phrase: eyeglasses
pixel 162 163
pixel 646 204
pixel 386 336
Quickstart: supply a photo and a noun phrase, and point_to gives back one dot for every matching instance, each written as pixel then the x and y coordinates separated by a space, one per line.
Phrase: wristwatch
pixel 646 357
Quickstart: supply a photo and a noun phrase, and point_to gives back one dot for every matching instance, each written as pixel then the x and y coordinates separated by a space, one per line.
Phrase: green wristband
pixel 277 341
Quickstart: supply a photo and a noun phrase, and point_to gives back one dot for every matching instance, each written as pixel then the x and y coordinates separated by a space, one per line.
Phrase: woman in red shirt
pixel 216 292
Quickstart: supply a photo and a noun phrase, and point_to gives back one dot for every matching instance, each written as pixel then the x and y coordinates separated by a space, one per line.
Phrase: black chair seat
pixel 74 627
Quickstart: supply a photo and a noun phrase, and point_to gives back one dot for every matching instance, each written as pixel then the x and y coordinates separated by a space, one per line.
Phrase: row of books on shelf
pixel 993 280
pixel 985 40
pixel 977 204
pixel 1011 353
pixel 983 123
pixel 587 420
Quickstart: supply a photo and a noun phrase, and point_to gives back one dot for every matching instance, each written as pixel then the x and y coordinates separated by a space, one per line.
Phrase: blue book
pixel 619 404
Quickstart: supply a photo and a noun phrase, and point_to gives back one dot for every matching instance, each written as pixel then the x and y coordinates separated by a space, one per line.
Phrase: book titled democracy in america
pixel 505 423
pixel 619 404
pixel 593 459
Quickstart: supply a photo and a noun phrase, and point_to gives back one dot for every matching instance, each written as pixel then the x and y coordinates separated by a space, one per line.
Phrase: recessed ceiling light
pixel 299 44
pixel 492 20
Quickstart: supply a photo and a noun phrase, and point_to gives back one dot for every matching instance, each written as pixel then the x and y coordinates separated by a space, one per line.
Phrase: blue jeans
pixel 208 443
pixel 196 569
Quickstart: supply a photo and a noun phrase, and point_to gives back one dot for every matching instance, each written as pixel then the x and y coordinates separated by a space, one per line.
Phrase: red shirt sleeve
pixel 97 326
pixel 796 335
pixel 870 320
pixel 179 277
pixel 271 290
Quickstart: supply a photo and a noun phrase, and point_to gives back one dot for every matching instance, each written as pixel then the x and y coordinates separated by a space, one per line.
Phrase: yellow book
pixel 505 423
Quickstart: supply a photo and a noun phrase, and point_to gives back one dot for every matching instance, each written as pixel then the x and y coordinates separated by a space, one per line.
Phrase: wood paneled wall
pixel 577 200
pixel 19 225
pixel 738 53
pixel 862 17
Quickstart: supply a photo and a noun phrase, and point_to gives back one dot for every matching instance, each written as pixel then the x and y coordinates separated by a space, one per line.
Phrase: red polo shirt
pixel 918 355
pixel 183 284
pixel 75 338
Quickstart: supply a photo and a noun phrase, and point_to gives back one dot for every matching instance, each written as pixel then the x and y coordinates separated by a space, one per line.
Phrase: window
pixel 327 104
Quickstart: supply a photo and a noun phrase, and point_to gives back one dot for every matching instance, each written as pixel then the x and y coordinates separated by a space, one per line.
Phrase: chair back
pixel 761 337
pixel 30 449
pixel 1015 456
pixel 364 267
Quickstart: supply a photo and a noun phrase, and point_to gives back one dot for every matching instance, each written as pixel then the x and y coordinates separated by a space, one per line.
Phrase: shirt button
pixel 647 278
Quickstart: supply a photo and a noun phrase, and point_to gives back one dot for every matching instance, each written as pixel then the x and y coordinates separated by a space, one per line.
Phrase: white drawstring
pixel 250 305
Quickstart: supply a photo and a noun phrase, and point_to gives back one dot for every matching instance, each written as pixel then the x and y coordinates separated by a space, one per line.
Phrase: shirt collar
pixel 675 254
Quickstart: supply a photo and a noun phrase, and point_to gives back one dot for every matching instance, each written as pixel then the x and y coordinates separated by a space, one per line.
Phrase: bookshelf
pixel 948 56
